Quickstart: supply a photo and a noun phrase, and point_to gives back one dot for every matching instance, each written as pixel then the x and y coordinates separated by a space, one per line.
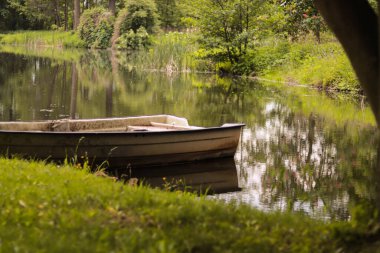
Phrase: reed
pixel 170 53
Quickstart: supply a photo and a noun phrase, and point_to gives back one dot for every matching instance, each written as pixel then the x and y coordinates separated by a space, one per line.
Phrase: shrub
pixel 96 27
pixel 133 40
pixel 73 40
pixel 134 24
pixel 139 13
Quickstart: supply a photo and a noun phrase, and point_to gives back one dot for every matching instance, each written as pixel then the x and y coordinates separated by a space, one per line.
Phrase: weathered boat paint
pixel 87 139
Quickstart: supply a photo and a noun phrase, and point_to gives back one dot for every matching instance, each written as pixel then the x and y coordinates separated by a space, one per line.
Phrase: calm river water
pixel 301 150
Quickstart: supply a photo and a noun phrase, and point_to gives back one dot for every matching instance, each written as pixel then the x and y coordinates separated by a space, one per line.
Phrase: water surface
pixel 300 151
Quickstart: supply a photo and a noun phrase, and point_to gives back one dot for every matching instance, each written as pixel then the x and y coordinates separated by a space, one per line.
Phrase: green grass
pixel 47 208
pixel 42 39
pixel 323 65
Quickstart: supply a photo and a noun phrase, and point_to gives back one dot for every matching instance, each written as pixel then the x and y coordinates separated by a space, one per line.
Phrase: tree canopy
pixel 302 17
pixel 295 17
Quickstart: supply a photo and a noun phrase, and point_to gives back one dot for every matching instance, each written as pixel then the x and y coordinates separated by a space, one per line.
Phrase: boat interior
pixel 129 124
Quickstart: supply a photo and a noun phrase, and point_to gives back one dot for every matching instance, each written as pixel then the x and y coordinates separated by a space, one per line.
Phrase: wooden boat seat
pixel 155 126
pixel 172 126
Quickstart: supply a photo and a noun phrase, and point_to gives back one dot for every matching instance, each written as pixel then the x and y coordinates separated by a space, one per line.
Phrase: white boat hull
pixel 123 149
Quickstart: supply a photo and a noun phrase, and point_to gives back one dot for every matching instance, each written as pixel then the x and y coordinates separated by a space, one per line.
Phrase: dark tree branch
pixel 355 25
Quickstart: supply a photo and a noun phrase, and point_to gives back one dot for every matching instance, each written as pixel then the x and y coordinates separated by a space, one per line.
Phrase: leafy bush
pixel 134 24
pixel 139 13
pixel 73 40
pixel 133 40
pixel 267 57
pixel 96 27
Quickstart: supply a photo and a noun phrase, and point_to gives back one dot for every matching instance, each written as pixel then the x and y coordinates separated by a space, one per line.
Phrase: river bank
pixel 322 65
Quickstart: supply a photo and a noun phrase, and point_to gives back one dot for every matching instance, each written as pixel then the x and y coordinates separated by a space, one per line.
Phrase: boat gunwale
pixel 166 132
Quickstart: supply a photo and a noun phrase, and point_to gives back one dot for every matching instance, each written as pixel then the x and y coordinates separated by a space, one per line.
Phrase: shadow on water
pixel 300 151
pixel 202 177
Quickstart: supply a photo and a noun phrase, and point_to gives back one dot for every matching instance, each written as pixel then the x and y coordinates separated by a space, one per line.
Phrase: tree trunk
pixel 76 13
pixel 66 16
pixel 317 33
pixel 57 16
pixel 355 25
pixel 112 6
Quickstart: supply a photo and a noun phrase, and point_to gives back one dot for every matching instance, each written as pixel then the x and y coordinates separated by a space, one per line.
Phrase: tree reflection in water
pixel 296 163
pixel 301 151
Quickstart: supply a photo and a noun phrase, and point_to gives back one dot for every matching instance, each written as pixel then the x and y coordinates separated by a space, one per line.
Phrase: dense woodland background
pixel 277 39
pixel 287 17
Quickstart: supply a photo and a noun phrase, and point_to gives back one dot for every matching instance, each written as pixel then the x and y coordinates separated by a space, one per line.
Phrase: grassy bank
pixel 323 65
pixel 49 209
pixel 42 39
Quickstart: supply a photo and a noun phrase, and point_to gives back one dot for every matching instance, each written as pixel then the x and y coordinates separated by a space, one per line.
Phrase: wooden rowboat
pixel 122 142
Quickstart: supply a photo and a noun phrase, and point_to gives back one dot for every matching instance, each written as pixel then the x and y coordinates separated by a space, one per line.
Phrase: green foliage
pixel 301 18
pixel 268 57
pixel 373 4
pixel 44 14
pixel 25 14
pixel 134 40
pixel 73 40
pixel 324 65
pixel 169 13
pixel 96 27
pixel 4 15
pixel 189 13
pixel 229 30
pixel 134 24
pixel 139 13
